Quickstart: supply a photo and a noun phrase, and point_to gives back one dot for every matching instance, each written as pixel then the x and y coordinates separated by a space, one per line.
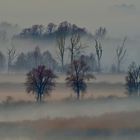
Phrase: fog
pixel 121 18
pixel 66 109
pixel 118 16
pixel 109 50
pixel 101 114
pixel 104 112
pixel 116 119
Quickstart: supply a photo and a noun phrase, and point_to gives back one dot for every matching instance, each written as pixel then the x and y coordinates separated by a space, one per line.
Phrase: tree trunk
pixel 62 64
pixel 118 67
pixel 99 66
pixel 78 93
pixel 72 57
pixel 39 97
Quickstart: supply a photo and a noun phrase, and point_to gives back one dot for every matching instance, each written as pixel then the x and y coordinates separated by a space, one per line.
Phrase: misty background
pixel 107 113
pixel 120 17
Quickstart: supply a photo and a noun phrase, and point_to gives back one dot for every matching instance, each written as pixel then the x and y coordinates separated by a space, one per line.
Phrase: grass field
pixel 104 113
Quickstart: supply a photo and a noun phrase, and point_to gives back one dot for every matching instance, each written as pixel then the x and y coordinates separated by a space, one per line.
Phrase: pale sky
pixel 118 16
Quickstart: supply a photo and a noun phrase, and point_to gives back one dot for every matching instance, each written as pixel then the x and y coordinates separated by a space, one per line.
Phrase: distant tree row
pixel 68 44
pixel 33 59
pixel 21 62
pixel 51 31
pixel 41 32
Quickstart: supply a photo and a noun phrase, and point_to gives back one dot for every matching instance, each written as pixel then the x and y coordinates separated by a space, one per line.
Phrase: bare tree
pixel 100 33
pixel 120 53
pixel 133 80
pixel 76 47
pixel 11 52
pixel 77 76
pixel 61 40
pixel 40 82
pixel 99 52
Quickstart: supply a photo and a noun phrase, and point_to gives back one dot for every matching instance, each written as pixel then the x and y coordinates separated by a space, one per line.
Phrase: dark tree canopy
pixel 50 31
pixel 77 75
pixel 51 28
pixel 133 80
pixel 32 59
pixel 40 82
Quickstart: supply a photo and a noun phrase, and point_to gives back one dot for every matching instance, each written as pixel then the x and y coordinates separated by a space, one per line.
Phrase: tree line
pixel 41 81
pixel 71 48
pixel 41 32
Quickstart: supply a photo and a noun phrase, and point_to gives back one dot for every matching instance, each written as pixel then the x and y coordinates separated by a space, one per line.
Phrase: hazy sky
pixel 119 16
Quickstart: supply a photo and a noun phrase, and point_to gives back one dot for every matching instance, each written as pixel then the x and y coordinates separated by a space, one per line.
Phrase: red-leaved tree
pixel 77 75
pixel 40 82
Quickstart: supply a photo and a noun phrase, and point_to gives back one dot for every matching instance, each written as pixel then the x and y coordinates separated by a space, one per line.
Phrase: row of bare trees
pixel 34 58
pixel 76 47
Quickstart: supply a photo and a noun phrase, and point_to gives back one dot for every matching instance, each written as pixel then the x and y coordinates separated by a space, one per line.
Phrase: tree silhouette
pixel 100 33
pixel 120 52
pixel 77 76
pixel 37 56
pixel 49 32
pixel 2 61
pixel 61 44
pixel 40 82
pixel 75 46
pixel 11 56
pixel 99 52
pixel 51 28
pixel 21 62
pixel 133 80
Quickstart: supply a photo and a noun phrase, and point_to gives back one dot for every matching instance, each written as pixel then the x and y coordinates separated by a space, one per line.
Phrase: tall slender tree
pixel 75 46
pixel 99 53
pixel 120 53
pixel 37 56
pixel 61 44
